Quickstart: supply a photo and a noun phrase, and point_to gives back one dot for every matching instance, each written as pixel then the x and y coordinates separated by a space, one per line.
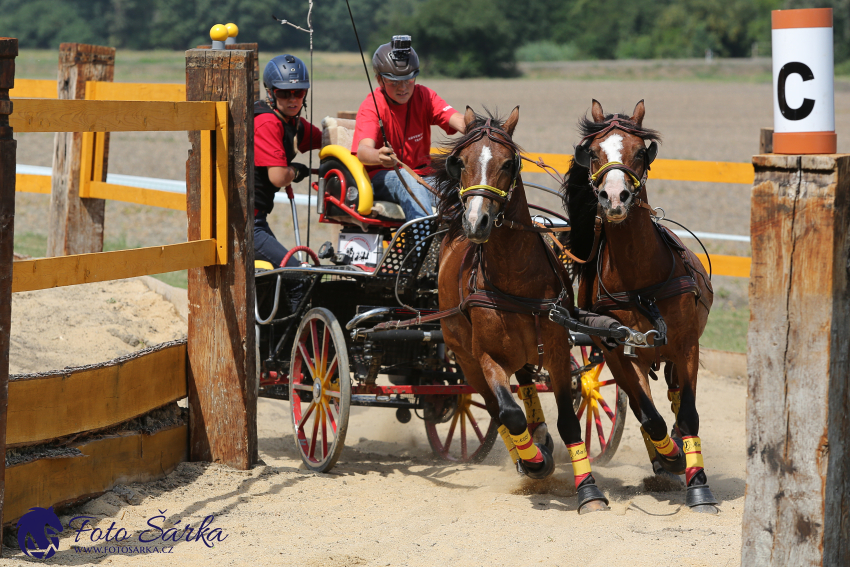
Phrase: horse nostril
pixel 604 194
pixel 485 220
pixel 624 196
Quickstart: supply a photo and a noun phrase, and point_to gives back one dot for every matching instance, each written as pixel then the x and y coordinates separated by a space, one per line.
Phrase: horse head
pixel 486 164
pixel 614 151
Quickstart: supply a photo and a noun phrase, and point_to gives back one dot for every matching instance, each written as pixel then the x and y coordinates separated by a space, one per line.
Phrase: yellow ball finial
pixel 218 33
pixel 232 30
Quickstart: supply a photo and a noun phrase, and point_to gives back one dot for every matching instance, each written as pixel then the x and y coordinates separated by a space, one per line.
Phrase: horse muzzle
pixel 615 202
pixel 478 219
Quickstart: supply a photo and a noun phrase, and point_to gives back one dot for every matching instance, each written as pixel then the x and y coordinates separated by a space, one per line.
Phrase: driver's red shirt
pixel 408 126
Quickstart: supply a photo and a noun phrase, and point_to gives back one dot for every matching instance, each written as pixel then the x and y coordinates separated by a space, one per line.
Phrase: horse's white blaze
pixel 473 205
pixel 484 160
pixel 615 180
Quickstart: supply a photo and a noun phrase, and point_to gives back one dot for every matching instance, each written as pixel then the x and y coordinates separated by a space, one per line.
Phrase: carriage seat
pixel 337 138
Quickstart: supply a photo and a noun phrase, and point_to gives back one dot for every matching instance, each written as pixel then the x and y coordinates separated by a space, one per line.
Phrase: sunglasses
pixel 396 84
pixel 290 93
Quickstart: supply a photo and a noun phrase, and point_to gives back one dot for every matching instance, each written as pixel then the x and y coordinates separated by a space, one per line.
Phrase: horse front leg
pixel 699 497
pixel 590 497
pixel 534 416
pixel 664 453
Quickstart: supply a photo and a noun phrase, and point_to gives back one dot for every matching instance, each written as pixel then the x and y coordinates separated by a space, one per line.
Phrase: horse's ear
pixel 511 122
pixel 454 166
pixel 639 112
pixel 469 116
pixel 583 157
pixel 651 152
pixel 596 111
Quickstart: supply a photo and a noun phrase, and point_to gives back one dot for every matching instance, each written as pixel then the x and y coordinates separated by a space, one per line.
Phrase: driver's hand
pixel 386 157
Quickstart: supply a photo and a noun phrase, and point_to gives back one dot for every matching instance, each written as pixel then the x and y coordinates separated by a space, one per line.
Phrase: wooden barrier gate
pixel 213 369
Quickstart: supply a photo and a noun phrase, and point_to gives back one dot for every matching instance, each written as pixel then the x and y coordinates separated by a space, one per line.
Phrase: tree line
pixel 456 38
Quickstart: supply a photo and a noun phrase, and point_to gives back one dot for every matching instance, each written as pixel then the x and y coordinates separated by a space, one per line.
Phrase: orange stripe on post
pixel 807 18
pixel 805 142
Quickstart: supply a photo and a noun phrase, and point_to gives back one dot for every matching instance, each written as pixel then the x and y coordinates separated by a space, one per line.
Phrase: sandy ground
pixel 387 502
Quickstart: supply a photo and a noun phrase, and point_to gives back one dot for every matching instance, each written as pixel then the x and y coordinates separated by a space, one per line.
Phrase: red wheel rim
pixel 598 409
pixel 316 408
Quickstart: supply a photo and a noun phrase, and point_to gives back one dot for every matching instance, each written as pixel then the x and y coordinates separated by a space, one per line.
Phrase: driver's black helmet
pixel 396 60
pixel 286 72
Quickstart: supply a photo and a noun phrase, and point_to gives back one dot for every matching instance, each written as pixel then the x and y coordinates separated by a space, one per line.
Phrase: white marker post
pixel 803 94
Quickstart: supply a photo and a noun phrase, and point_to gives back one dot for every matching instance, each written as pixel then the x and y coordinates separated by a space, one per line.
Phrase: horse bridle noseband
pixel 454 165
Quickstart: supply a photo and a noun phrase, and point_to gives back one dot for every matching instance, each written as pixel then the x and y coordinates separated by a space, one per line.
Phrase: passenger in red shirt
pixel 277 127
pixel 408 111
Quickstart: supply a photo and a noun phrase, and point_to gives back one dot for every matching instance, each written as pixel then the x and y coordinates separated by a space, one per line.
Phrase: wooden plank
pixel 38 115
pixel 45 407
pixel 222 366
pixel 766 141
pixel 8 149
pixel 205 219
pixel 34 88
pixel 798 424
pixel 222 156
pixel 172 92
pixel 106 463
pixel 737 266
pixel 75 223
pixel 26 183
pixel 47 273
pixel 138 195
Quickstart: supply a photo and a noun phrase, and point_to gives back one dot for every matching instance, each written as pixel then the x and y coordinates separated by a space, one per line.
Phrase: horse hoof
pixel 700 496
pixel 593 506
pixel 676 465
pixel 591 499
pixel 541 437
pixel 540 470
pixel 706 509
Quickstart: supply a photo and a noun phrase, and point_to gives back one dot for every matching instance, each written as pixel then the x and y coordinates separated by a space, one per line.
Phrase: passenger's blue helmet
pixel 286 72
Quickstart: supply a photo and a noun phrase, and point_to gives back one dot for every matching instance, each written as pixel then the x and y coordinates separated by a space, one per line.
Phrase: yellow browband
pixel 635 180
pixel 498 192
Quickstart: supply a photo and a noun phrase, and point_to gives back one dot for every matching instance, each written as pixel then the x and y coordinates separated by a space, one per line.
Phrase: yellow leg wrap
pixel 666 447
pixel 578 455
pixel 509 444
pixel 675 397
pixel 524 446
pixel 533 409
pixel 693 452
pixel 650 448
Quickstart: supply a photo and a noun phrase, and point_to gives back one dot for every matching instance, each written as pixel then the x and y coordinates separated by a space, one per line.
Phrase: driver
pixel 408 111
pixel 278 128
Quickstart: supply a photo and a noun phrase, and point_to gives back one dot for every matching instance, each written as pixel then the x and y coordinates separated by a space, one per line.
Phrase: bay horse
pixel 499 277
pixel 642 275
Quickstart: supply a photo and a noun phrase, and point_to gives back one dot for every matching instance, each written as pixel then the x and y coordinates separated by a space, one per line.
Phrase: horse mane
pixel 449 207
pixel 580 200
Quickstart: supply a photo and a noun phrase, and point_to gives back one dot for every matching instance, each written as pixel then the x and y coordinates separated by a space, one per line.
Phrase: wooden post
pixel 766 141
pixel 797 508
pixel 255 47
pixel 76 224
pixel 8 147
pixel 222 352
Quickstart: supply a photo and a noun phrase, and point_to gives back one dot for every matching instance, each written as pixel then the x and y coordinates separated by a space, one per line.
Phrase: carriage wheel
pixel 319 389
pixel 601 409
pixel 459 428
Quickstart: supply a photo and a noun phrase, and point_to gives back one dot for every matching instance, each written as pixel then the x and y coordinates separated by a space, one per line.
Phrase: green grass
pixel 727 330
pixel 35 245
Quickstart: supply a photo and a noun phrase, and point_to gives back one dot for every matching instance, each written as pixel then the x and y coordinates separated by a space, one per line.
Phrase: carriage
pixel 317 346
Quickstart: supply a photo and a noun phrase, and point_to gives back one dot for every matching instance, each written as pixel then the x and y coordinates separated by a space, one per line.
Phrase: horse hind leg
pixel 699 496
pixel 533 460
pixel 534 416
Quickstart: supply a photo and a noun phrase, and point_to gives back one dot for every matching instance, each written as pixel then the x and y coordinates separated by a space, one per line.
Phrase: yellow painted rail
pixel 44 273
pixel 101 90
pixel 137 195
pixel 38 115
pixel 27 183
pixel 737 266
pixel 34 88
